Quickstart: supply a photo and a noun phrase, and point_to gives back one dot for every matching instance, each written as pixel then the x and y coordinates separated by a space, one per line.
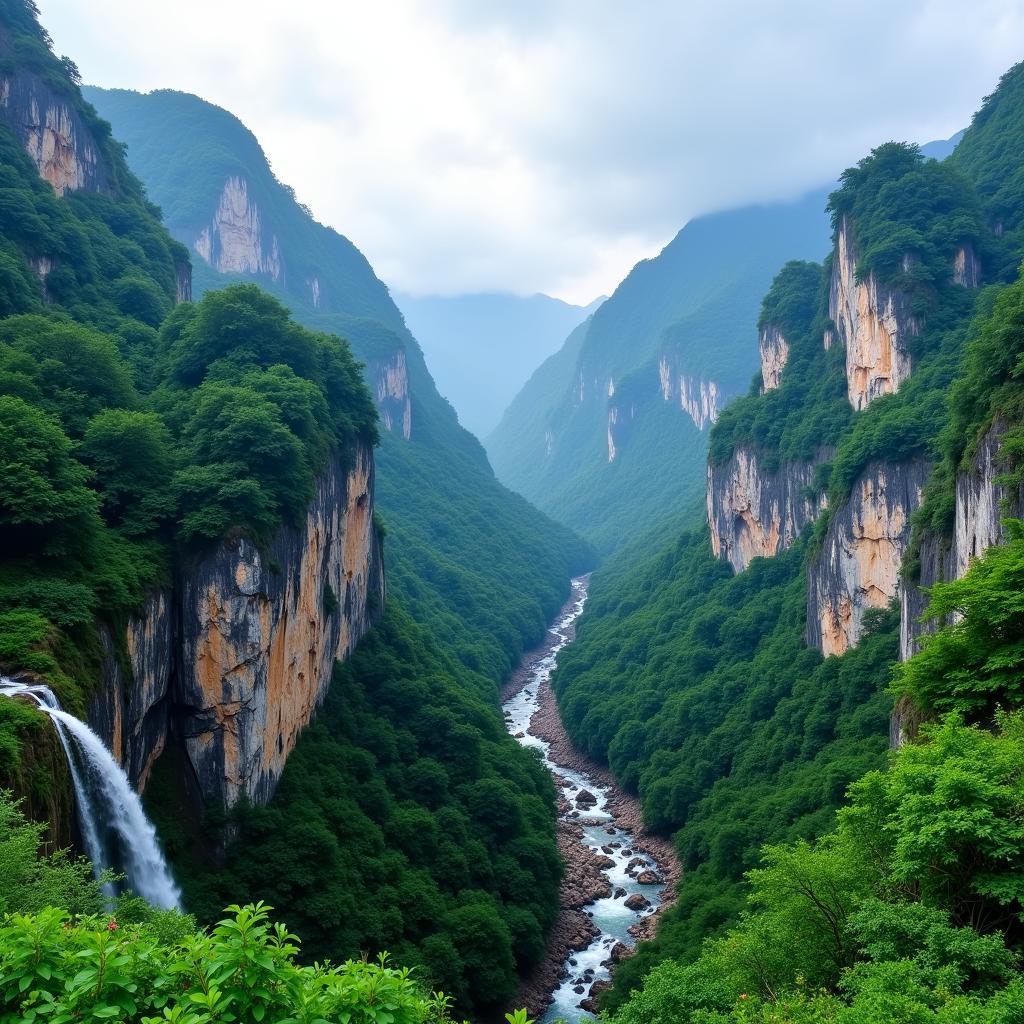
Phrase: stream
pixel 591 817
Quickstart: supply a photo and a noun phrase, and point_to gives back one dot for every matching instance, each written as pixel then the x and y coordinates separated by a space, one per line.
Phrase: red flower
pixel 112 926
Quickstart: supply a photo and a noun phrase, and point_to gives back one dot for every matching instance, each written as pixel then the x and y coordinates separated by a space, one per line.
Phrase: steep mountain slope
pixel 610 435
pixel 738 679
pixel 482 348
pixel 484 598
pixel 190 557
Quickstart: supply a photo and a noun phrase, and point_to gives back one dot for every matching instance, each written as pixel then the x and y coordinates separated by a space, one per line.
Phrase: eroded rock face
pixel 980 501
pixel 131 711
pixel 53 134
pixel 700 399
pixel 858 567
pixel 774 354
pixel 183 282
pixel 873 322
pixel 259 635
pixel 231 664
pixel 753 513
pixel 966 267
pixel 233 242
pixel 620 423
pixel 389 381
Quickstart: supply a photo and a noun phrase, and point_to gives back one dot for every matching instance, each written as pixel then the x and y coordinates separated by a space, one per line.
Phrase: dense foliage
pixel 912 908
pixel 406 820
pixel 698 689
pixel 66 956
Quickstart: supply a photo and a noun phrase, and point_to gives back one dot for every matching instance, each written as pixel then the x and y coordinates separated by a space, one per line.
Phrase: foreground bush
pixel 55 968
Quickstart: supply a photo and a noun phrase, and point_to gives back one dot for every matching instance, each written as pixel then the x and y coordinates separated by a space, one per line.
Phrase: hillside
pixel 438 498
pixel 741 679
pixel 610 435
pixel 482 348
pixel 192 564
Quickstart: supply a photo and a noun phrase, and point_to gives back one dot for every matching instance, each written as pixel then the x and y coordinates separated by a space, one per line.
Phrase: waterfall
pixel 115 830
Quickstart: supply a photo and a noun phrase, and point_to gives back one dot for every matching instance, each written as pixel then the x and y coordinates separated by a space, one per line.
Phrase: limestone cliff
pixel 699 398
pixel 981 504
pixel 233 242
pixel 621 416
pixel 389 382
pixel 774 351
pixel 52 132
pixel 858 566
pixel 231 665
pixel 756 513
pixel 966 267
pixel 874 322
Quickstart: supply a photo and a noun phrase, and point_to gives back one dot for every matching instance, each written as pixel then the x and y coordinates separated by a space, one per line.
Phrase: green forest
pixel 830 879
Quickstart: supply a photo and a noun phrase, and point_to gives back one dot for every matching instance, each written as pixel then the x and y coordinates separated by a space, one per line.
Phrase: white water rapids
pixel 115 831
pixel 610 914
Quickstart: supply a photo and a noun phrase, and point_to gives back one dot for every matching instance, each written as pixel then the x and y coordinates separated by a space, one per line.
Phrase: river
pixel 617 877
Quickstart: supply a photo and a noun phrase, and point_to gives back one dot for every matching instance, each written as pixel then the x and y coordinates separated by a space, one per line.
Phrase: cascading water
pixel 115 830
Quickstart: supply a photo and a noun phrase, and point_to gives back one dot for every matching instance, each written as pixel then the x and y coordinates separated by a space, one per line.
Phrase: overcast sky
pixel 547 145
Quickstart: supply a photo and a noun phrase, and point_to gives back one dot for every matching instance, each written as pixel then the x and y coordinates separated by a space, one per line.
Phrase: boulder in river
pixel 619 893
pixel 638 902
pixel 636 862
pixel 649 878
pixel 603 863
pixel 607 849
pixel 584 798
pixel 619 952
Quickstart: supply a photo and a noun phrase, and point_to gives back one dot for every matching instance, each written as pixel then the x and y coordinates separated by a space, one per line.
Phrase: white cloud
pixel 546 145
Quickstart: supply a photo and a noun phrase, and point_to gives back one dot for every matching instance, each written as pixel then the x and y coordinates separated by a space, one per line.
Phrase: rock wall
pixel 754 513
pixel 700 399
pixel 873 322
pixel 977 525
pixel 233 242
pixel 774 351
pixel 230 665
pixel 389 382
pixel 966 267
pixel 858 567
pixel 53 133
pixel 621 417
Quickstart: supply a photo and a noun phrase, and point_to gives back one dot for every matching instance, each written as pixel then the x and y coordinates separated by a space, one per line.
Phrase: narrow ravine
pixel 617 877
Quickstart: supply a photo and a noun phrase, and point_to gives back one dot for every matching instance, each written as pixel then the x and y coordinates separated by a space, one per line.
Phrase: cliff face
pixel 980 502
pixel 753 513
pixel 859 564
pixel 52 133
pixel 389 379
pixel 232 665
pixel 874 323
pixel 620 419
pixel 700 399
pixel 233 242
pixel 774 351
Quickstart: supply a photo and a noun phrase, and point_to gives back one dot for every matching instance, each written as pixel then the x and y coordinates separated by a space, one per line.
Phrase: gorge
pixel 728 729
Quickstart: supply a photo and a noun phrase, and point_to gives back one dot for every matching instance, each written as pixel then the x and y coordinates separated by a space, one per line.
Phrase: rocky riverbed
pixel 618 877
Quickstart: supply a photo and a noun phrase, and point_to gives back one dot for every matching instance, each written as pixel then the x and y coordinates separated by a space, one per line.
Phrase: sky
pixel 548 145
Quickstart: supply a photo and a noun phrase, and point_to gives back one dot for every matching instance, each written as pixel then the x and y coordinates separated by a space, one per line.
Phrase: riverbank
pixel 586 879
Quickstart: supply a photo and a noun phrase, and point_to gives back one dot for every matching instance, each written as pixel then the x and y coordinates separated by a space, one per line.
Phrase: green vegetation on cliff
pixel 404 822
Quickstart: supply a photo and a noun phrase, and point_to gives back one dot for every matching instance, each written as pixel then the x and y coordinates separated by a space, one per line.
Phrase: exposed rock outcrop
pixel 858 567
pixel 183 282
pixel 966 267
pixel 131 710
pixel 701 399
pixel 774 354
pixel 231 665
pixel 981 505
pixel 621 418
pixel 755 513
pixel 389 381
pixel 873 322
pixel 53 133
pixel 233 242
